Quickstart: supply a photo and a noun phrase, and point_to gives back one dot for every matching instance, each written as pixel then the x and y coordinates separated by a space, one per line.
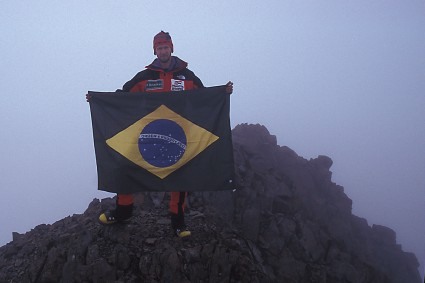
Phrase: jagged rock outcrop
pixel 78 249
pixel 286 222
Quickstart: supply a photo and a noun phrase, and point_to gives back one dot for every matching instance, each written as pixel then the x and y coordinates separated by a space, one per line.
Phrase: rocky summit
pixel 286 222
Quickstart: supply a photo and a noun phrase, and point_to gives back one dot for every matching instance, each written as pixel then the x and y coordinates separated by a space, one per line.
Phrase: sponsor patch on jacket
pixel 177 85
pixel 154 84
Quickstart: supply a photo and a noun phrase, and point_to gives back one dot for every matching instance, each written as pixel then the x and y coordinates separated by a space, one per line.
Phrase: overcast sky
pixel 344 79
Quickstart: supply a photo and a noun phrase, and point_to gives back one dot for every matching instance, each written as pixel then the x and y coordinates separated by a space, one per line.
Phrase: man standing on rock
pixel 165 73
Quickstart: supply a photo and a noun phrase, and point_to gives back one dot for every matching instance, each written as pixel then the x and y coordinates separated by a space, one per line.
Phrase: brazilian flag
pixel 167 141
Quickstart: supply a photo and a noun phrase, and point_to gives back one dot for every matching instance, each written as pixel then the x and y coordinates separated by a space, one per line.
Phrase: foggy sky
pixel 344 79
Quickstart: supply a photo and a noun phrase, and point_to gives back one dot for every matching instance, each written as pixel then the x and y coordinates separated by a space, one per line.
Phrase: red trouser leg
pixel 177 201
pixel 125 199
pixel 124 208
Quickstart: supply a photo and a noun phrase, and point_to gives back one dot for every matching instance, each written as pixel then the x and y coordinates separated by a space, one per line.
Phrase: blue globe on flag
pixel 162 143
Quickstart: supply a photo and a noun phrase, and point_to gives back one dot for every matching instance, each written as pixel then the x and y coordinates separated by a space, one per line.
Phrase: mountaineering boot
pixel 183 233
pixel 178 226
pixel 122 213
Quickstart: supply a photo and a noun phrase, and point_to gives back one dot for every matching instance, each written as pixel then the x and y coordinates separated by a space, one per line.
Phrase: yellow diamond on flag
pixel 162 141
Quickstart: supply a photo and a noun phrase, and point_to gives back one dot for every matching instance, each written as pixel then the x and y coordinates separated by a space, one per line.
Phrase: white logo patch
pixel 177 85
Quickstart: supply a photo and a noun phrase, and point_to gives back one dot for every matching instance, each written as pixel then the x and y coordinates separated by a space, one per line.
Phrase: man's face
pixel 163 52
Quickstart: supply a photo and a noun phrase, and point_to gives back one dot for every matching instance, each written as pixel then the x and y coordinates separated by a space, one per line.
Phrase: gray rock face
pixel 286 222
